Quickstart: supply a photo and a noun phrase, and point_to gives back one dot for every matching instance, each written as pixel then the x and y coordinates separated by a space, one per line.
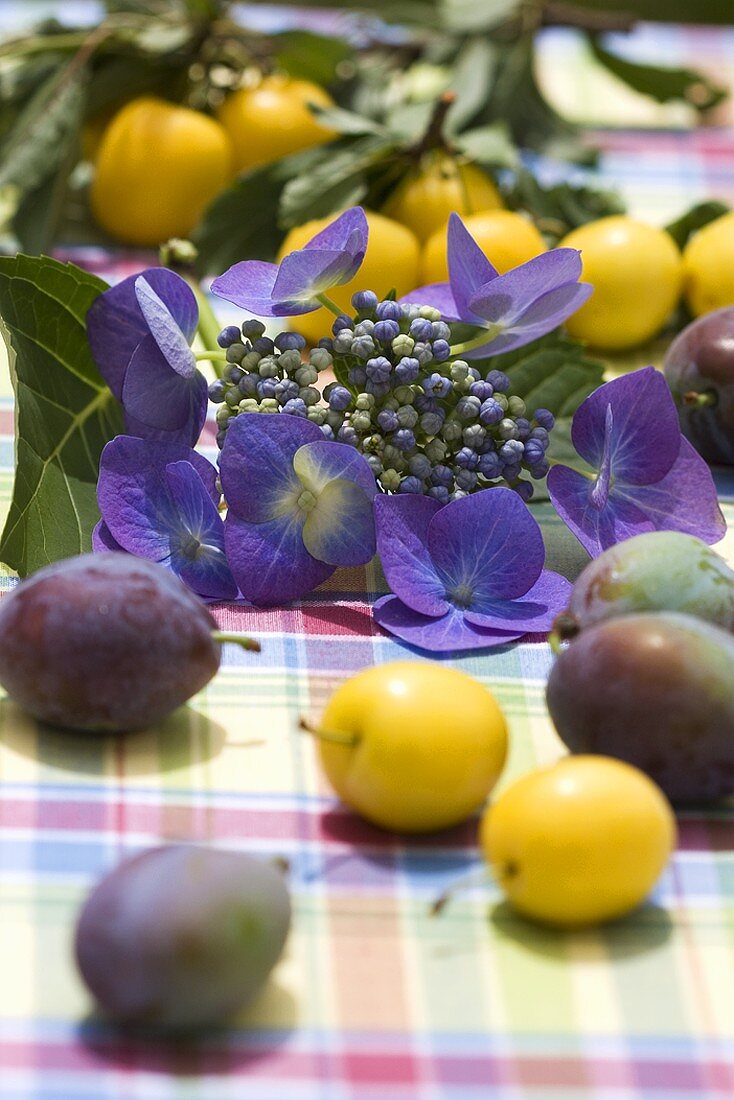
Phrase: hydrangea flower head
pixel 140 333
pixel 515 308
pixel 292 287
pixel 298 506
pixel 467 575
pixel 645 476
pixel 159 501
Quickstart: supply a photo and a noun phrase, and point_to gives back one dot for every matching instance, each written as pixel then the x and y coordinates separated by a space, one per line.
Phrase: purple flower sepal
pixel 140 333
pixel 291 287
pixel 646 476
pixel 298 505
pixel 468 575
pixel 515 308
pixel 159 501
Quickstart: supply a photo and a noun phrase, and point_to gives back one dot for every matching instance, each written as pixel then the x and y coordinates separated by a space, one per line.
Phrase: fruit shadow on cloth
pixel 184 738
pixel 256 1035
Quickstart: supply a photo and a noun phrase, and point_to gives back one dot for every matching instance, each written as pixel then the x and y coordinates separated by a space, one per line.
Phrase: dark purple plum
pixel 104 642
pixel 699 367
pixel 656 690
pixel 182 937
pixel 657 571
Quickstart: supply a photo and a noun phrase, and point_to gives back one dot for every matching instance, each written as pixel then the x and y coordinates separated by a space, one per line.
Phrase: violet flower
pixel 140 333
pixel 298 506
pixel 159 501
pixel 515 308
pixel 645 476
pixel 293 287
pixel 467 575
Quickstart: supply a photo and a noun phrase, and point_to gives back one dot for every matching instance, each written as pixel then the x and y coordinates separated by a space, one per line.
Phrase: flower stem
pixel 329 304
pixel 211 356
pixel 208 327
pixel 485 336
pixel 337 738
pixel 242 640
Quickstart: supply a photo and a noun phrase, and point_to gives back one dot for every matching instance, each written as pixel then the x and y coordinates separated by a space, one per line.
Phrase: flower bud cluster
pixel 425 423
pixel 270 376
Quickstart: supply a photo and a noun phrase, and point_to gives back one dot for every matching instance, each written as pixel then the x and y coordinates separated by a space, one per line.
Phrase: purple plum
pixel 699 367
pixel 182 937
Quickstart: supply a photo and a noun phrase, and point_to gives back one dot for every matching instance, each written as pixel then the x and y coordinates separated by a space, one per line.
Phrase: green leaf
pixel 40 138
pixel 662 83
pixel 558 209
pixel 242 223
pixel 41 211
pixel 694 219
pixel 551 373
pixel 489 145
pixel 337 180
pixel 466 16
pixel 64 411
pixel 309 56
pixel 346 122
pixel 471 83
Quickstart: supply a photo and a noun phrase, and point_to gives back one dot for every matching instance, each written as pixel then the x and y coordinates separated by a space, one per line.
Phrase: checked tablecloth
pixel 374 997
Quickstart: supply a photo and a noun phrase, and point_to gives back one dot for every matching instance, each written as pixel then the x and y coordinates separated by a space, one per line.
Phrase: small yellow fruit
pixel 708 261
pixel 158 168
pixel 425 199
pixel 391 262
pixel 271 120
pixel 578 843
pixel 506 239
pixel 430 743
pixel 637 274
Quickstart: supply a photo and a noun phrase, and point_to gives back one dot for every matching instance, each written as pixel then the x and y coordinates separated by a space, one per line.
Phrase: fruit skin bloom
pixel 292 287
pixel 140 333
pixel 515 308
pixel 298 506
pixel 468 575
pixel 646 476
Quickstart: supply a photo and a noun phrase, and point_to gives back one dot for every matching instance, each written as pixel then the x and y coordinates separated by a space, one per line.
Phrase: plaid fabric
pixel 374 998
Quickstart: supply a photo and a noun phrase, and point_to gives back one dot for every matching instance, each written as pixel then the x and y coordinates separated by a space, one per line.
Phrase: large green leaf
pixel 661 82
pixel 64 411
pixel 553 373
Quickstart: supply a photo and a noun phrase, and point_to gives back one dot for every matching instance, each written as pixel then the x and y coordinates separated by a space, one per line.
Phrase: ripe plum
pixel 656 690
pixel 182 937
pixel 699 367
pixel 105 642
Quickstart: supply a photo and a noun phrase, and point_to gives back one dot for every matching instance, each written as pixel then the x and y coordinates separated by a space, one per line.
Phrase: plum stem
pixel 337 738
pixel 564 627
pixel 480 876
pixel 694 399
pixel 242 640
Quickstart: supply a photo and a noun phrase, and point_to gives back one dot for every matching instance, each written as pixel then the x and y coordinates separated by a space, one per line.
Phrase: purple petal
pixel 306 273
pixel 402 541
pixel 532 613
pixel 204 567
pixel 319 463
pixel 505 298
pixel 486 546
pixel 469 268
pixel 348 233
pixel 545 314
pixel 448 634
pixel 102 539
pixel 256 464
pixel 646 436
pixel 438 295
pixel 269 561
pixel 684 500
pixel 595 528
pixel 115 324
pixel 340 528
pixel 249 284
pixel 158 398
pixel 165 331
